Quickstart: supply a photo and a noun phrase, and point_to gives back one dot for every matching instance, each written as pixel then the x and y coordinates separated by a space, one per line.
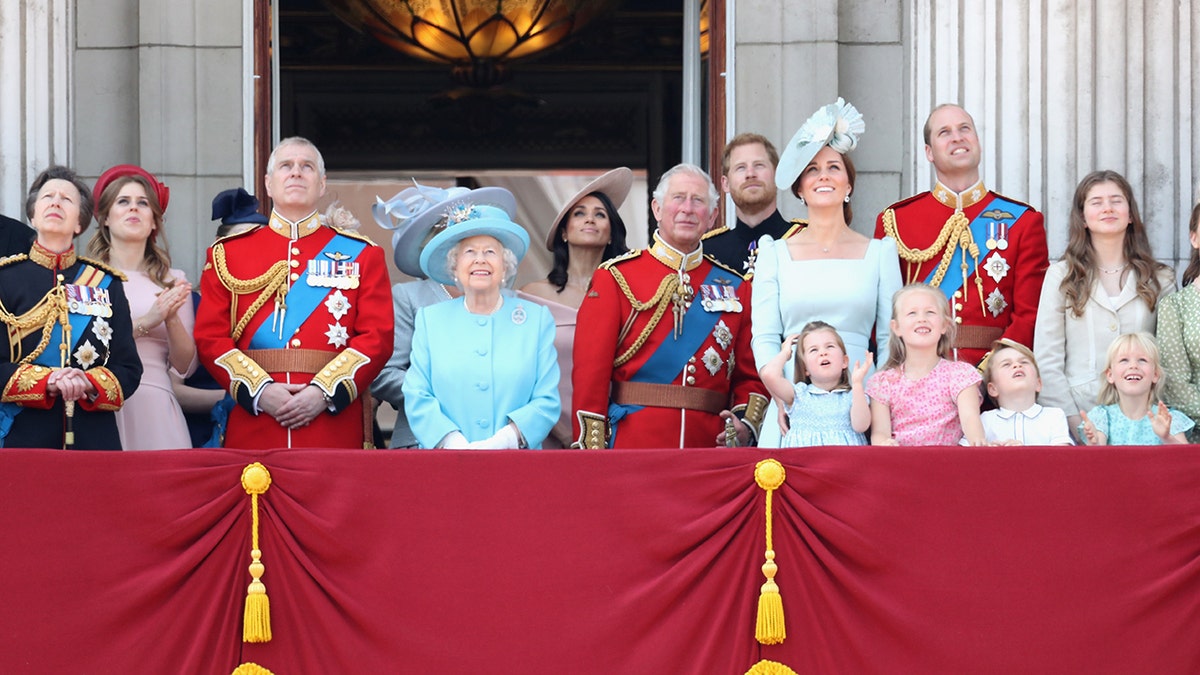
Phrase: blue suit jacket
pixel 474 373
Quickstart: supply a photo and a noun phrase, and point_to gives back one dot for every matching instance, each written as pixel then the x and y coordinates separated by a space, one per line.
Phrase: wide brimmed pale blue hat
pixel 837 125
pixel 417 213
pixel 471 220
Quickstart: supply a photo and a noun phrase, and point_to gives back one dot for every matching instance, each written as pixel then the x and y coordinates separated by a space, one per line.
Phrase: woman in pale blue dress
pixel 826 271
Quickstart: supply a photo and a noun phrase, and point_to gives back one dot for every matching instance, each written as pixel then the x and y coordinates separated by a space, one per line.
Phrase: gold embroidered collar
pixel 673 258
pixel 286 228
pixel 959 200
pixel 51 260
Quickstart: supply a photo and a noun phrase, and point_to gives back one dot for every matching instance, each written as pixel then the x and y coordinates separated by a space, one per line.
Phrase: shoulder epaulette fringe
pixel 235 235
pixel 14 258
pixel 718 263
pixel 630 255
pixel 797 225
pixel 106 267
pixel 353 235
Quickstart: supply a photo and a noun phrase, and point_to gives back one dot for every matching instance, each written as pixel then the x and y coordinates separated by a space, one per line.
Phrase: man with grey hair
pixel 296 320
pixel 665 359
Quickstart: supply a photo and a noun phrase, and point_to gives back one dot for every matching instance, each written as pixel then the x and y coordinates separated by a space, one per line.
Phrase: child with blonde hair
pixel 1127 413
pixel 826 404
pixel 921 397
pixel 1012 378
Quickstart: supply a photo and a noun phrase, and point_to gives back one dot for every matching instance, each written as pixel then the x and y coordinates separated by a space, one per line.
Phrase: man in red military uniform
pixel 662 357
pixel 986 252
pixel 296 317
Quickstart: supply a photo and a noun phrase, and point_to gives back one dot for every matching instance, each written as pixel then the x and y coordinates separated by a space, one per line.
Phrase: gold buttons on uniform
pixel 295 276
pixel 958 319
pixel 296 342
pixel 691 380
pixel 294 263
pixel 295 251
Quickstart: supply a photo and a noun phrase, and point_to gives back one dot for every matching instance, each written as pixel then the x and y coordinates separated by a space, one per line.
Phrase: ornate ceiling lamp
pixel 477 37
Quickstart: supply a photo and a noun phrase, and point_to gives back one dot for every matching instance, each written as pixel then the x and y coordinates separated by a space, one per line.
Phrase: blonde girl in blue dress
pixel 826 405
pixel 1127 413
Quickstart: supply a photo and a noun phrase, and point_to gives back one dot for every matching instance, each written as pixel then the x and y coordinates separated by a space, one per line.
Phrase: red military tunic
pixel 295 303
pixel 999 296
pixel 613 342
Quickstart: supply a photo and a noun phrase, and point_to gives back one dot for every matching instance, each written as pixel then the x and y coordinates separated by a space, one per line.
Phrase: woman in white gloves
pixel 484 372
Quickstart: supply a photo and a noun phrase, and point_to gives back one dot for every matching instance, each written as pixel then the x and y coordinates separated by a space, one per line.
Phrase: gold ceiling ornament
pixel 477 37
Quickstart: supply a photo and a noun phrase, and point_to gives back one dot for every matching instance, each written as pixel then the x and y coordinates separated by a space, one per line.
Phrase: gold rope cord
pixel 661 299
pixel 271 282
pixel 51 309
pixel 956 233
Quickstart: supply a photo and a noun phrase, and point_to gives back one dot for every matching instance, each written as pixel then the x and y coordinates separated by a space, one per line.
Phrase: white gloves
pixel 505 439
pixel 454 441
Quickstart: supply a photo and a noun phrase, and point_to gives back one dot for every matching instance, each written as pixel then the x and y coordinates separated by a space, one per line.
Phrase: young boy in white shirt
pixel 1013 380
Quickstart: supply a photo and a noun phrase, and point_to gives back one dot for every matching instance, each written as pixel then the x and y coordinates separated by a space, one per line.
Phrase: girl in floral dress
pixel 1128 414
pixel 826 404
pixel 920 397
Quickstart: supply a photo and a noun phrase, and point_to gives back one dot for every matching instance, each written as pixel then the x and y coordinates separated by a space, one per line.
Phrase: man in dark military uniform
pixel 748 168
pixel 665 359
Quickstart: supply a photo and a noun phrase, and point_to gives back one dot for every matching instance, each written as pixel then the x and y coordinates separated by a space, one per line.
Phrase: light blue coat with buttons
pixel 475 373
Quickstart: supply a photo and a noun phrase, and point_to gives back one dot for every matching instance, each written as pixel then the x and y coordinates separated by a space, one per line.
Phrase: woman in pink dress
pixel 587 231
pixel 129 212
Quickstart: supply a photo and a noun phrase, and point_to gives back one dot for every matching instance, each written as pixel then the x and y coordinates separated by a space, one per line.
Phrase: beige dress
pixel 564 341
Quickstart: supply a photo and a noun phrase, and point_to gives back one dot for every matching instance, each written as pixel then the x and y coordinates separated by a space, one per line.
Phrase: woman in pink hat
pixel 587 231
pixel 129 214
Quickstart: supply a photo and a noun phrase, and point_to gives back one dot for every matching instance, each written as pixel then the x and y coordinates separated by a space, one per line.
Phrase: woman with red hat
pixel 129 213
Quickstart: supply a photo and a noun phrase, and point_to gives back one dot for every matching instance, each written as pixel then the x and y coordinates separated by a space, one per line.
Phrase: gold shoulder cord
pixel 955 234
pixel 51 309
pixel 271 282
pixel 661 299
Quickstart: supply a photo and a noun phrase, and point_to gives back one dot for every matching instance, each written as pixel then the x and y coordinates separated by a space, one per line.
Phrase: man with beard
pixel 748 175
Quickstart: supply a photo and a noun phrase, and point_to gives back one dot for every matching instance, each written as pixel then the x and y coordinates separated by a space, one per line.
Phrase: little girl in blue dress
pixel 826 404
pixel 1130 410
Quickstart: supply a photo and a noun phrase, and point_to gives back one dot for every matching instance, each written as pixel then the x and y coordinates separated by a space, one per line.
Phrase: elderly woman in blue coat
pixel 484 372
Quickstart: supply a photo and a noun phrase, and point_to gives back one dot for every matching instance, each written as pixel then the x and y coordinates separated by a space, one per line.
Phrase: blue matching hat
pixel 237 206
pixel 469 220
pixel 417 214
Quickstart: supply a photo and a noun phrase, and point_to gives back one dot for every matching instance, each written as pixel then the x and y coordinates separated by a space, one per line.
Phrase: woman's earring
pixel 847 199
pixel 800 198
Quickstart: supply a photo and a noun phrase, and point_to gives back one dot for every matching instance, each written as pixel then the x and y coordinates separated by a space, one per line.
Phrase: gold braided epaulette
pixel 14 258
pixel 717 263
pixel 104 266
pixel 353 234
pixel 714 232
pixel 630 255
pixel 235 235
pixel 797 225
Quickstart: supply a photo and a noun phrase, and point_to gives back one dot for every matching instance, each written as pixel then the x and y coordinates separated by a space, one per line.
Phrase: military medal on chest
pixel 335 271
pixel 720 297
pixel 88 300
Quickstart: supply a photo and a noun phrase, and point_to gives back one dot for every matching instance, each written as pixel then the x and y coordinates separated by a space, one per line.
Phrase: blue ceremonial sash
pixel 997 212
pixel 670 358
pixel 302 299
pixel 50 357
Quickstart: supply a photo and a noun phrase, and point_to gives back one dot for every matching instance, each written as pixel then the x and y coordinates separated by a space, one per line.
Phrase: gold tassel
pixel 770 629
pixel 257 618
pixel 766 667
pixel 251 669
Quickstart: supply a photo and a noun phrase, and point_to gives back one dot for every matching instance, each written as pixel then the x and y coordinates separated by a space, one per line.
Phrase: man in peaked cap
pixel 295 319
